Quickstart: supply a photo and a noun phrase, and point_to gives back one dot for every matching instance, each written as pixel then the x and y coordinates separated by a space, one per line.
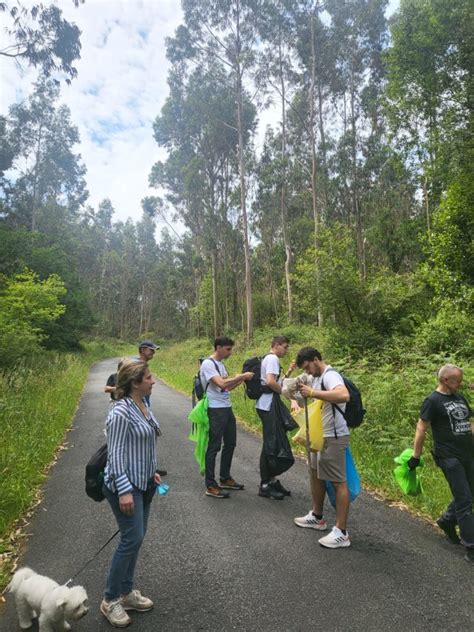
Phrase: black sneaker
pixel 268 491
pixel 450 530
pixel 279 487
pixel 469 557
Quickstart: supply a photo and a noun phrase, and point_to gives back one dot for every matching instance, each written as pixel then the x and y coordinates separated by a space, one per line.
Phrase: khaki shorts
pixel 330 463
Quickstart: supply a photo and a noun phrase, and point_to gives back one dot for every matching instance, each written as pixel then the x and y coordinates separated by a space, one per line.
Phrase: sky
pixel 120 89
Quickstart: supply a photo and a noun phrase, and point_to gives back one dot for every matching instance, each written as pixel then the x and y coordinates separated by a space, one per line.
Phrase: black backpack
pixel 254 387
pixel 354 413
pixel 199 391
pixel 95 474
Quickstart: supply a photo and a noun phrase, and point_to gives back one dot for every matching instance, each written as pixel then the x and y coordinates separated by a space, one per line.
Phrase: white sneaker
pixel 136 601
pixel 335 540
pixel 311 522
pixel 115 614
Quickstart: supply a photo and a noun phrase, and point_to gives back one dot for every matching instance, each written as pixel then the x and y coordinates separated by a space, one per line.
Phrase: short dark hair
pixel 280 340
pixel 223 341
pixel 307 354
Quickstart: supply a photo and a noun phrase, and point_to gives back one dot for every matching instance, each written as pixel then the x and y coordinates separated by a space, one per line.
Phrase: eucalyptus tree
pixel 308 114
pixel 39 36
pixel 358 32
pixel 227 31
pixel 47 168
pixel 276 75
pixel 197 126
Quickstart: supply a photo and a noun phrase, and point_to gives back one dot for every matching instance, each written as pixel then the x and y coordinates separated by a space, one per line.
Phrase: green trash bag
pixel 200 431
pixel 408 480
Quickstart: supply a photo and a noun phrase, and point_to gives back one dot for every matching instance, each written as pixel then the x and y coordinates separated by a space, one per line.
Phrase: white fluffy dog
pixel 39 596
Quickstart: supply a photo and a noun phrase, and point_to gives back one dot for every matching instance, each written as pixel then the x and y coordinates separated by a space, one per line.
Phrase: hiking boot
pixel 229 483
pixel 136 601
pixel 115 614
pixel 335 540
pixel 311 522
pixel 279 487
pixel 450 530
pixel 217 492
pixel 469 557
pixel 267 491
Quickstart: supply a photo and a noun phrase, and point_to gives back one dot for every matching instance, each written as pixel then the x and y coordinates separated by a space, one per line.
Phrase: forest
pixel 355 217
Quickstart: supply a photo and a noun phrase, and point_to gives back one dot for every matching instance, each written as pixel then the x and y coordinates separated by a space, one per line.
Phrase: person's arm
pixel 229 383
pixel 272 382
pixel 111 384
pixel 420 435
pixel 291 368
pixel 337 395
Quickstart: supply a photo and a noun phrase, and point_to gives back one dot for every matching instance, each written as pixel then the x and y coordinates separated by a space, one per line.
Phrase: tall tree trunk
pixel 248 269
pixel 355 186
pixel 214 292
pixel 314 167
pixel 35 181
pixel 142 307
pixel 283 208
pixel 322 135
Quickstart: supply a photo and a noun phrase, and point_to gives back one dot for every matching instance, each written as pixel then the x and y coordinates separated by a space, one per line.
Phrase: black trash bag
pixel 275 444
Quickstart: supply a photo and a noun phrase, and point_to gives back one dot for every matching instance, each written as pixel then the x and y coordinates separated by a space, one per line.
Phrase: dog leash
pixel 92 558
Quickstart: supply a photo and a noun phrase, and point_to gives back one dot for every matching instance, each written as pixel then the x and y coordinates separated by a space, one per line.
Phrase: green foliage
pixel 449 268
pixel 42 38
pixel 27 307
pixel 38 398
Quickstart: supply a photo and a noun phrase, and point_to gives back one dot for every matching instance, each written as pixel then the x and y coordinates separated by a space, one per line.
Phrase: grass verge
pixel 38 399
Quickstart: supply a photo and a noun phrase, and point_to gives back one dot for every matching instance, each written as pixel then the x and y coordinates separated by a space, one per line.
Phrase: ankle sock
pixel 318 516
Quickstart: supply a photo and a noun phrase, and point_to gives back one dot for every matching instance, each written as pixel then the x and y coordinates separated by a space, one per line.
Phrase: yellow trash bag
pixel 315 418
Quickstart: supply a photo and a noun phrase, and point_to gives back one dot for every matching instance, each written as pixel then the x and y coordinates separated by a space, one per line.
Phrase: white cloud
pixel 120 89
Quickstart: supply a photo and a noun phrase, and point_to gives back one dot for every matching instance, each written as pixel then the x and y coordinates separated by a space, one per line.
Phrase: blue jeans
pixel 460 476
pixel 132 531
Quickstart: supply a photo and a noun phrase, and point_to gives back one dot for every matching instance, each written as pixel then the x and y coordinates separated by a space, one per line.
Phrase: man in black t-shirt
pixel 449 416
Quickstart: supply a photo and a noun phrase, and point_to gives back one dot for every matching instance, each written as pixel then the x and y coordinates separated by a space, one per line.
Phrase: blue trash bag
pixel 353 480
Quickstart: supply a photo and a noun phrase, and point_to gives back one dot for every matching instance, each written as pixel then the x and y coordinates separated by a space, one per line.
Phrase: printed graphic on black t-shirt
pixel 458 414
pixel 450 422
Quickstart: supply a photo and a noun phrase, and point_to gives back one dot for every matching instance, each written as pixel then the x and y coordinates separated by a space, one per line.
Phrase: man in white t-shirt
pixel 330 463
pixel 222 425
pixel 270 371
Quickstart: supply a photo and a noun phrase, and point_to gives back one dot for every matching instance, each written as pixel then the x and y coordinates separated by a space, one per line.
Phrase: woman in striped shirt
pixel 131 470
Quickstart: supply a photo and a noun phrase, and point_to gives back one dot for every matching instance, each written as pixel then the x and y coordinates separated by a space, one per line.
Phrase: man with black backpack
pixel 222 425
pixel 330 463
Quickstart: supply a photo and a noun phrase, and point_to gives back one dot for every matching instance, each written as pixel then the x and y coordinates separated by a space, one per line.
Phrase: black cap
pixel 149 345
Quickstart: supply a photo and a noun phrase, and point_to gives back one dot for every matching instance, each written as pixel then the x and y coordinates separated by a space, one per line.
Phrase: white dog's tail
pixel 19 577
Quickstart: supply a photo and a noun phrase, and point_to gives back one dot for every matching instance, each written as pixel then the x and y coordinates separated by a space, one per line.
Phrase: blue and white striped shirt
pixel 131 447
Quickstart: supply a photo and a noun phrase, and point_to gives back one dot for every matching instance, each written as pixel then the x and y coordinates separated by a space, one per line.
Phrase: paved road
pixel 241 564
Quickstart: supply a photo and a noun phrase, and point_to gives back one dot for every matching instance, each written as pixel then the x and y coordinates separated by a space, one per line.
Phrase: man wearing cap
pixel 146 351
